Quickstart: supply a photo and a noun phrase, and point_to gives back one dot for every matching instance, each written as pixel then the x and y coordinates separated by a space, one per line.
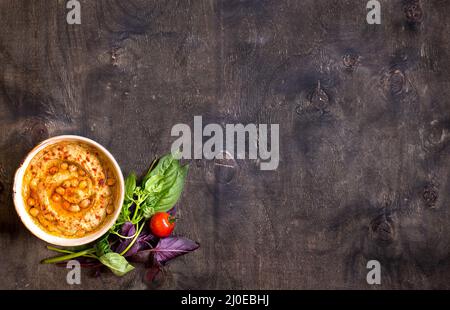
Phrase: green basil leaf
pixel 155 184
pixel 117 263
pixel 165 184
pixel 130 186
pixel 165 164
pixel 170 198
pixel 147 210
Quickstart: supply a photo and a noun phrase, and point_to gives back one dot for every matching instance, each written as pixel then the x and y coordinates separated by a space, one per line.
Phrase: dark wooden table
pixel 364 169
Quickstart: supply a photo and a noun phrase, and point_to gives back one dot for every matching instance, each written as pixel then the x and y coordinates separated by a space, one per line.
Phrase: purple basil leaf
pixel 134 248
pixel 169 248
pixel 145 241
pixel 138 251
pixel 173 211
pixel 147 237
pixel 154 276
pixel 127 230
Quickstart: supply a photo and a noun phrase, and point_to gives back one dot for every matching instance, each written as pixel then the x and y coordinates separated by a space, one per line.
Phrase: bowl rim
pixel 25 217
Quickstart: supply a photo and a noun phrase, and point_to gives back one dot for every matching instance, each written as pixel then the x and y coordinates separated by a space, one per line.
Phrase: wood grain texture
pixel 364 170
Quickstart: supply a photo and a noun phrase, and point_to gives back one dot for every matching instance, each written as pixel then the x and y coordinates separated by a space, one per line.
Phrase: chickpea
pixel 65 232
pixel 108 192
pixel 110 209
pixel 64 166
pixel 80 233
pixel 51 228
pixel 85 203
pixel 53 170
pixel 81 172
pixel 31 202
pixel 34 212
pixel 111 182
pixel 56 197
pixel 75 182
pixel 66 205
pixel 74 208
pixel 49 217
pixel 73 168
pixel 34 183
pixel 67 184
pixel 43 221
pixel 83 184
pixel 60 190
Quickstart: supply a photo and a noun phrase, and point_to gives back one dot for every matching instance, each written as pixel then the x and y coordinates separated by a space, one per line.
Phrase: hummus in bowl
pixel 69 191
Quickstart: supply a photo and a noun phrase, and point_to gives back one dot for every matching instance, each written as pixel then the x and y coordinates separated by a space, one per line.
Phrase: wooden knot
pixel 382 229
pixel 413 12
pixel 435 136
pixel 430 195
pixel 396 82
pixel 316 103
pixel 350 62
pixel 224 169
pixel 221 171
pixel 39 132
pixel 319 98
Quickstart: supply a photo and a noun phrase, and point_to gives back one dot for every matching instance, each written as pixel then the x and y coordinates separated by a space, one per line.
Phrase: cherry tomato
pixel 162 224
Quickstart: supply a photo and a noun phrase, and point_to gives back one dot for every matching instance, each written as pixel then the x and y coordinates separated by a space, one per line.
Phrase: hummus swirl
pixel 69 189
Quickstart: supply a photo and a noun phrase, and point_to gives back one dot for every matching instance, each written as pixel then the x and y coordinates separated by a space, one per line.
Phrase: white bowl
pixel 35 228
